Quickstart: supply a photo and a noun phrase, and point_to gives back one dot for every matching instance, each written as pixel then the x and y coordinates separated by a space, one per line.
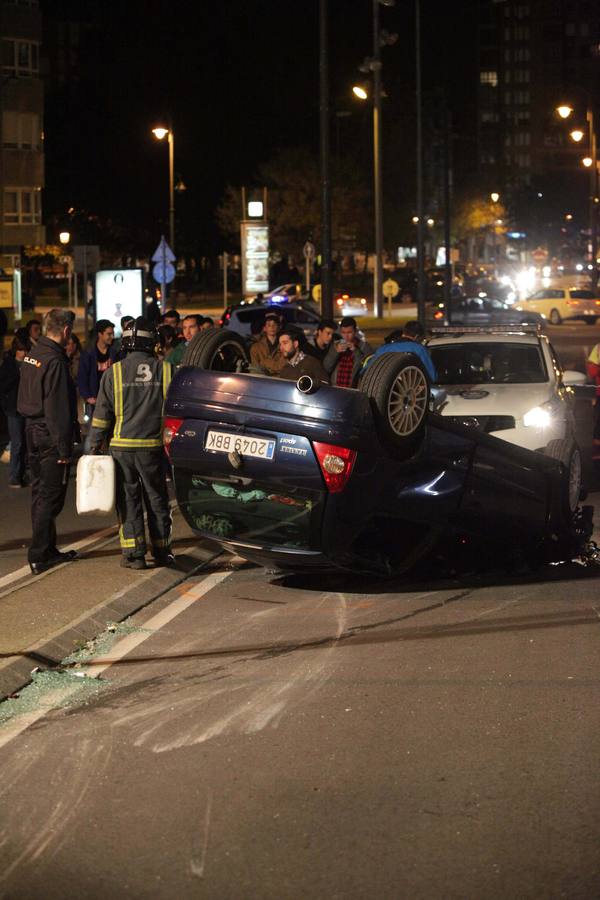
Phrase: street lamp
pixel 590 162
pixel 359 91
pixel 160 133
pixel 494 196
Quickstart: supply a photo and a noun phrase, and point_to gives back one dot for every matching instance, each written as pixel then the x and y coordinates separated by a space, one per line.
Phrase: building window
pixel 21 131
pixel 570 29
pixel 522 76
pixel 522 33
pixel 22 206
pixel 522 54
pixel 521 98
pixel 490 78
pixel 521 12
pixel 20 57
pixel 523 160
pixel 488 116
pixel 522 139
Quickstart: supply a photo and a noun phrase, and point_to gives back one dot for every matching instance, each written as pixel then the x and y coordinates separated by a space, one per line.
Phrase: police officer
pixel 129 411
pixel 48 401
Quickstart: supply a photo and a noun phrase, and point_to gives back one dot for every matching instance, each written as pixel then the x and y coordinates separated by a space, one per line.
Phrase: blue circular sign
pixel 163 272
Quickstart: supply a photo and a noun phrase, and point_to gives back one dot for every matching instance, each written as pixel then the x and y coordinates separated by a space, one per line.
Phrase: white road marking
pixel 198 867
pixel 53 700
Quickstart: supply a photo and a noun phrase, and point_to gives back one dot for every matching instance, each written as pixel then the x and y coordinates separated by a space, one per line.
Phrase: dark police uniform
pixel 129 407
pixel 48 400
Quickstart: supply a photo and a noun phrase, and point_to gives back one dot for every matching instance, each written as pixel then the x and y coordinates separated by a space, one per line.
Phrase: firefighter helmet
pixel 139 335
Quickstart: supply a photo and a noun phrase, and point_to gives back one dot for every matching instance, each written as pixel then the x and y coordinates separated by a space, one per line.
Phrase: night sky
pixel 239 79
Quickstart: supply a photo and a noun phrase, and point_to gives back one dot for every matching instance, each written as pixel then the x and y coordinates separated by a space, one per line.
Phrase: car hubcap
pixel 574 480
pixel 408 401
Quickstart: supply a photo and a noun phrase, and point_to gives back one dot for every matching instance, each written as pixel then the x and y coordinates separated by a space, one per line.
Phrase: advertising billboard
pixel 119 292
pixel 255 257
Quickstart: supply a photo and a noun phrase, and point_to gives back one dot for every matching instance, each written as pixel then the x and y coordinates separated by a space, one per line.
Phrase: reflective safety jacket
pixel 130 403
pixel 593 367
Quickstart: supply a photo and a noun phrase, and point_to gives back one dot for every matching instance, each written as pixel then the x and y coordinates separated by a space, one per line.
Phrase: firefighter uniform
pixel 593 369
pixel 48 400
pixel 129 410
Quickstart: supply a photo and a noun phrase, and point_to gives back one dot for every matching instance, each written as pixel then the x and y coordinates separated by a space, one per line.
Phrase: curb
pixel 16 671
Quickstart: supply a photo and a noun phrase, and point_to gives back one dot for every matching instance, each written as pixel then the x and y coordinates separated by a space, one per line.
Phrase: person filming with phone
pixel 344 358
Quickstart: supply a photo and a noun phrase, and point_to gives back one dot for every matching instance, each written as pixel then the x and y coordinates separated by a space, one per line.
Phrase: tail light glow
pixel 170 428
pixel 336 465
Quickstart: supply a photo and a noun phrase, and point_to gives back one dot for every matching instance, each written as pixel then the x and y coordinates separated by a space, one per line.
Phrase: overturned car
pixel 372 479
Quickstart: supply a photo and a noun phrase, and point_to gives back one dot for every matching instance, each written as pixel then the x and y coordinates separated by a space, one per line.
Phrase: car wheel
pixel 567 452
pixel 398 387
pixel 555 317
pixel 221 351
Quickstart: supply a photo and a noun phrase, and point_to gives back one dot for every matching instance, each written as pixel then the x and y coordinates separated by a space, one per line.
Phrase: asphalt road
pixel 254 735
pixel 275 737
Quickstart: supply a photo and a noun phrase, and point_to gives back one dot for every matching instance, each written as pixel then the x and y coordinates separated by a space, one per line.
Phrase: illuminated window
pixel 522 54
pixel 490 78
pixel 20 57
pixel 22 206
pixel 21 131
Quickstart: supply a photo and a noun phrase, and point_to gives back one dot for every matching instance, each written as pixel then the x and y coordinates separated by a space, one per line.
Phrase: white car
pixel 563 304
pixel 512 386
pixel 347 305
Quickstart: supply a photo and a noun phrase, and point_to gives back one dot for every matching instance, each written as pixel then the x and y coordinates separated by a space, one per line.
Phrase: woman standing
pixel 9 387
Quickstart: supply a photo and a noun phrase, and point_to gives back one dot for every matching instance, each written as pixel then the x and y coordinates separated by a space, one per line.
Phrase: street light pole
pixel 593 191
pixel 160 133
pixel 171 139
pixel 420 222
pixel 377 163
pixel 326 280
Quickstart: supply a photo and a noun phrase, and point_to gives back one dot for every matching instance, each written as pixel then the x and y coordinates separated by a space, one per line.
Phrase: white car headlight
pixel 538 417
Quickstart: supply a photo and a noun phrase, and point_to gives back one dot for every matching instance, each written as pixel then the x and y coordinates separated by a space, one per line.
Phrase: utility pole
pixel 421 222
pixel 326 279
pixel 377 163
pixel 447 200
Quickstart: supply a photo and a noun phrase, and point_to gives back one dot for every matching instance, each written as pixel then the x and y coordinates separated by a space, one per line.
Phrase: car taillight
pixel 597 302
pixel 170 429
pixel 339 301
pixel 336 465
pixel 572 302
pixel 438 314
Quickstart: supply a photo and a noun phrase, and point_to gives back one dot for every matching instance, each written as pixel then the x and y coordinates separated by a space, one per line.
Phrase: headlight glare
pixel 538 417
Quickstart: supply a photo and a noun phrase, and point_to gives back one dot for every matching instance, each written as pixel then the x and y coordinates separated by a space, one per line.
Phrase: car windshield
pixel 489 363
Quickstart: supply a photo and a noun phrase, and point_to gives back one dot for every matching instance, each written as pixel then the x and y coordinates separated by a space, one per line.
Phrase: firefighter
pixel 593 370
pixel 129 412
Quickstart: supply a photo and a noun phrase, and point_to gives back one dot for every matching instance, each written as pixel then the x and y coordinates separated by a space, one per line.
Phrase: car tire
pixel 568 453
pixel 555 317
pixel 219 350
pixel 398 387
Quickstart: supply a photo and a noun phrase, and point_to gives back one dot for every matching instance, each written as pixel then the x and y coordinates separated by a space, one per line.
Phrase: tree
pixel 294 204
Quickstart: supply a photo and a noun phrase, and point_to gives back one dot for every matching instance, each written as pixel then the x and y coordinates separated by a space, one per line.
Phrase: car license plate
pixel 225 442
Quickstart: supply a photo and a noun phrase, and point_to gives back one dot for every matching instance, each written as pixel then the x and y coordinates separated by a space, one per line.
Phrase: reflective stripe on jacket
pixel 130 403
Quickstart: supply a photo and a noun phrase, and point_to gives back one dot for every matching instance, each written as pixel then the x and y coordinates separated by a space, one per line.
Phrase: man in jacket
pixel 593 370
pixel 345 358
pixel 265 355
pixel 48 401
pixel 128 414
pixel 321 342
pixel 94 362
pixel 298 363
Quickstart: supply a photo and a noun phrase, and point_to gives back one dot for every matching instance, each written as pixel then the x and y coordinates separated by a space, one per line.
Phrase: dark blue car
pixel 370 480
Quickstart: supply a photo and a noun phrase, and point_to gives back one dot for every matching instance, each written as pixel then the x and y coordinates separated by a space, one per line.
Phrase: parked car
pixel 312 477
pixel 513 387
pixel 484 311
pixel 241 318
pixel 564 304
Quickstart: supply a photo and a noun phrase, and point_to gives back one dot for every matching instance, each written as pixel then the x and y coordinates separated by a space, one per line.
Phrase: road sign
pixel 162 252
pixel 316 293
pixel 390 288
pixel 309 250
pixel 86 258
pixel 164 273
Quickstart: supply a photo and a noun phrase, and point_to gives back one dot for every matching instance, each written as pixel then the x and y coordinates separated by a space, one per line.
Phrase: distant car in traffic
pixel 564 304
pixel 348 305
pixel 513 387
pixel 310 477
pixel 484 311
